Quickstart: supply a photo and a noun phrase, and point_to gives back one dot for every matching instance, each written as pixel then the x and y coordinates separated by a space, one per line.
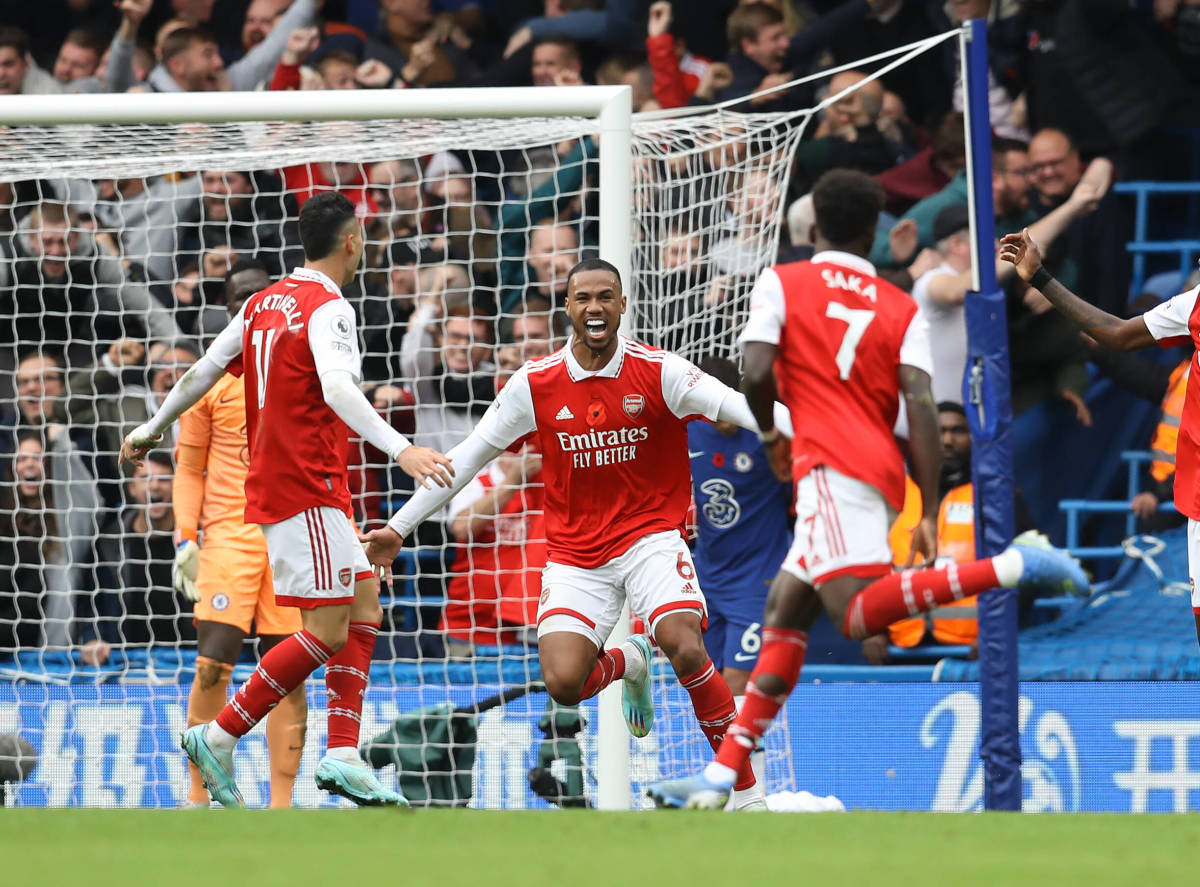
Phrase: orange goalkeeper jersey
pixel 217 426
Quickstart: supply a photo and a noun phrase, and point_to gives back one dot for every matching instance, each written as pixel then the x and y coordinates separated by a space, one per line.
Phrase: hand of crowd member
pixel 132 13
pixel 875 649
pixel 760 96
pixel 1082 413
pixel 381 548
pixel 215 263
pixel 300 44
pixel 311 79
pixel 568 77
pixel 926 260
pixel 660 18
pixel 424 464
pixel 716 78
pixel 126 352
pixel 373 74
pixel 1092 185
pixel 903 239
pixel 1165 10
pixel 1035 301
pixel 420 57
pixel 54 430
pixel 384 397
pixel 95 652
pixel 524 468
pixel 718 290
pixel 517 41
pixel 1144 505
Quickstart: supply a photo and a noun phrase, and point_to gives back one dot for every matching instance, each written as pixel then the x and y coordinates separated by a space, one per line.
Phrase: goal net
pixel 120 245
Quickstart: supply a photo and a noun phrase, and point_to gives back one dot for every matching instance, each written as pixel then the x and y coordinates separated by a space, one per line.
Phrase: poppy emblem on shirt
pixel 718 459
pixel 633 404
pixel 596 414
pixel 344 575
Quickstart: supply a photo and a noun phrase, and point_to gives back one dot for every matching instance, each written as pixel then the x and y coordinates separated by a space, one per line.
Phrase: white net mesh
pixel 116 241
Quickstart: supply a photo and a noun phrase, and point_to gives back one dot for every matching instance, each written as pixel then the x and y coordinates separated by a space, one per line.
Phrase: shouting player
pixel 611 419
pixel 1174 322
pixel 301 366
pixel 842 346
pixel 230 577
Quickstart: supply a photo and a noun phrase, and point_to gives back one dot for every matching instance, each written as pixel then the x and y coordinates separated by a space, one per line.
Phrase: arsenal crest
pixel 344 575
pixel 633 405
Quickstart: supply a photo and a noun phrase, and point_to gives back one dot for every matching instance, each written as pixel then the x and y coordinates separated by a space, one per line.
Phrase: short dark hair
pixel 15 38
pixel 181 39
pixel 596 265
pixel 86 38
pixel 847 204
pixel 722 369
pixel 950 406
pixel 1001 146
pixel 163 458
pixel 241 265
pixel 322 219
pixel 747 20
pixel 564 43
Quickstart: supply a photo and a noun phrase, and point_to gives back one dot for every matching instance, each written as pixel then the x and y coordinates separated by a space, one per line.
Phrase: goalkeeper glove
pixel 187 561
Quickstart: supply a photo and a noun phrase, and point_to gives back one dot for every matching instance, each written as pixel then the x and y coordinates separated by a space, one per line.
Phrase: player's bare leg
pixel 287 725
pixel 1196 611
pixel 342 770
pixel 574 669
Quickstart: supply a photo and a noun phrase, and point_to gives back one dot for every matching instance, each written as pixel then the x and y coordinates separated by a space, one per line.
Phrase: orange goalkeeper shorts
pixel 236 588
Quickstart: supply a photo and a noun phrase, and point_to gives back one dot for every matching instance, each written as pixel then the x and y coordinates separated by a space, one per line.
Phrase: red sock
pixel 609 667
pixel 782 656
pixel 279 672
pixel 909 592
pixel 346 681
pixel 715 711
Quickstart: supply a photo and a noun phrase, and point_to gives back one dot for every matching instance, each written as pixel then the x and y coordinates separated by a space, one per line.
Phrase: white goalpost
pixel 120 216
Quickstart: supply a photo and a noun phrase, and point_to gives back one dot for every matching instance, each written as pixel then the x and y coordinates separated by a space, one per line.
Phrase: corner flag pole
pixel 987 398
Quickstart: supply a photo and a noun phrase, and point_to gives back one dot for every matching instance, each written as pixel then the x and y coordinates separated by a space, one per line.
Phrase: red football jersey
pixel 842 334
pixel 1172 323
pixel 299 448
pixel 613 444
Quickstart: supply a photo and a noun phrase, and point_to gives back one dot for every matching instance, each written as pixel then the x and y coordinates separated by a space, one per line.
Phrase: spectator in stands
pixel 48 508
pixel 750 215
pixel 17 75
pixel 849 135
pixel 40 391
pixel 259 21
pixel 928 171
pixel 498 521
pixel 395 187
pixel 553 251
pixel 64 292
pixel 151 612
pixel 1006 62
pixel 408 29
pixel 249 212
pixel 556 63
pixel 447 353
pixel 612 24
pixel 679 76
pixel 534 329
pixel 122 63
pixel 78 57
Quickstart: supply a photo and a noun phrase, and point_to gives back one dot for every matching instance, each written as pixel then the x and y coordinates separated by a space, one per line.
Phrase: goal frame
pixel 611 105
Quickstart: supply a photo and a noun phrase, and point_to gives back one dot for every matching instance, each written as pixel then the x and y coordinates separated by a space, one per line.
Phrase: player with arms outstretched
pixel 229 578
pixel 841 346
pixel 1172 323
pixel 302 364
pixel 611 417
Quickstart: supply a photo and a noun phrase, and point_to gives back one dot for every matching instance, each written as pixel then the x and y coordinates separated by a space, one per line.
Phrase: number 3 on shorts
pixel 684 567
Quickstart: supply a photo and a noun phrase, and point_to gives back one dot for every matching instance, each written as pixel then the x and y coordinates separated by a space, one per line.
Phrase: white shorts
pixel 841 529
pixel 1193 539
pixel 656 573
pixel 316 558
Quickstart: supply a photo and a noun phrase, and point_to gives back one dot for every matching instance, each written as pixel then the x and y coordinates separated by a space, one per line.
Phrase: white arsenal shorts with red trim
pixel 841 529
pixel 656 573
pixel 1193 543
pixel 316 558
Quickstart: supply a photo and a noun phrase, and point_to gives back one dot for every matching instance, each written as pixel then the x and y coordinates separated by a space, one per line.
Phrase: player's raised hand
pixel 425 464
pixel 138 443
pixel 1020 250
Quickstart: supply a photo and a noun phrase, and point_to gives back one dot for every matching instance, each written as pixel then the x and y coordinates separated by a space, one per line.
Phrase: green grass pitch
pixel 350 848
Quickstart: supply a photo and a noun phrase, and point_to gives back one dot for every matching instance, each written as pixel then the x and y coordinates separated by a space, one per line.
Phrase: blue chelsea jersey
pixel 744 530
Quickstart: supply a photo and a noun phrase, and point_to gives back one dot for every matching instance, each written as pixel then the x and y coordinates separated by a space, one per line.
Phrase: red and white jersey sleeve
pixel 333 339
pixel 765 323
pixel 1171 323
pixel 511 416
pixel 688 391
pixel 915 348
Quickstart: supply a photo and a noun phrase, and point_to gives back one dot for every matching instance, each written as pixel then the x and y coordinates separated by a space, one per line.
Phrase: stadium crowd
pixel 109 289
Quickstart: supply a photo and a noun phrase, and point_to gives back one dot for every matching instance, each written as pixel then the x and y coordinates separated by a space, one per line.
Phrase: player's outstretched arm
pixel 200 377
pixel 758 382
pixel 1107 329
pixel 926 452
